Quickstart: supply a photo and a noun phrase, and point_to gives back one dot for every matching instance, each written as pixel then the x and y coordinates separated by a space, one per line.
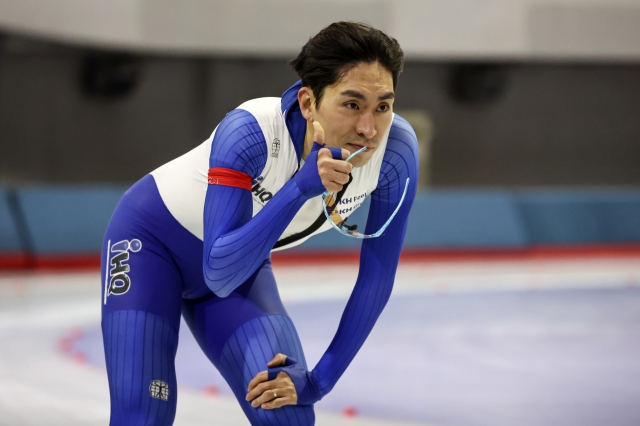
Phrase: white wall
pixel 512 29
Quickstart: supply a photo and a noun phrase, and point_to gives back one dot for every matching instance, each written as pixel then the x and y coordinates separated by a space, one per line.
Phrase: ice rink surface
pixel 527 342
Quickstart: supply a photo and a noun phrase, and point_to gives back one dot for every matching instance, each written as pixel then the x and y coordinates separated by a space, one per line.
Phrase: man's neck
pixel 308 140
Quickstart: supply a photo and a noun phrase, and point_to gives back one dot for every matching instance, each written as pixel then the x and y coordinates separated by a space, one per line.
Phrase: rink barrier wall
pixel 580 217
pixel 9 238
pixel 60 226
pixel 13 252
pixel 63 226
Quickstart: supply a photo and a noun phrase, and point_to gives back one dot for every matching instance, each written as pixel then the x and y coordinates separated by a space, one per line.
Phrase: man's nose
pixel 366 126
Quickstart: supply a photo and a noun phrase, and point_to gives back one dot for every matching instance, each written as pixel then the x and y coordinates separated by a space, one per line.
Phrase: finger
pixel 337 174
pixel 337 177
pixel 287 395
pixel 333 187
pixel 278 402
pixel 336 153
pixel 318 132
pixel 326 154
pixel 268 395
pixel 345 154
pixel 257 388
pixel 341 166
pixel 260 389
pixel 263 398
pixel 260 396
pixel 277 361
pixel 326 162
pixel 334 184
pixel 259 378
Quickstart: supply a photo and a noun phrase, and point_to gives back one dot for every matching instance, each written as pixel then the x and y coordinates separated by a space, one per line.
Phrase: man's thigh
pixel 141 302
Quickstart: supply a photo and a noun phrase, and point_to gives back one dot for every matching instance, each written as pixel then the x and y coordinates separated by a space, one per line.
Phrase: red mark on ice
pixel 67 343
pixel 350 411
pixel 80 358
pixel 211 390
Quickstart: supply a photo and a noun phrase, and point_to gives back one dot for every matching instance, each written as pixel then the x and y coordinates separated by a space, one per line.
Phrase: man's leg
pixel 140 350
pixel 141 302
pixel 241 333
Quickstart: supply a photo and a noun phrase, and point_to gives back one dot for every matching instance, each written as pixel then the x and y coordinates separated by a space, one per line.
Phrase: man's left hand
pixel 270 394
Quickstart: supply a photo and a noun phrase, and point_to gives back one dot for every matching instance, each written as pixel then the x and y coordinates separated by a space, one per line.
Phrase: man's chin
pixel 361 159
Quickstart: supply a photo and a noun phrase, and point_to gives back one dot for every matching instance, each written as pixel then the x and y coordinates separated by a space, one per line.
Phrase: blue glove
pixel 308 179
pixel 305 381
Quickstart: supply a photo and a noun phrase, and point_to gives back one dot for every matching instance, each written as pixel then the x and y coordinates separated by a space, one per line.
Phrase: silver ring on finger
pixel 275 394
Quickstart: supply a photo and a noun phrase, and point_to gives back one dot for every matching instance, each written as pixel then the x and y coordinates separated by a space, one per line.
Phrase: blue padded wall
pixel 622 222
pixel 464 219
pixel 446 219
pixel 458 219
pixel 68 219
pixel 9 237
pixel 580 217
pixel 72 219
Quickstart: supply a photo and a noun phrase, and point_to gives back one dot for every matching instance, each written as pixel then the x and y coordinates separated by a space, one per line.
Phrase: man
pixel 194 237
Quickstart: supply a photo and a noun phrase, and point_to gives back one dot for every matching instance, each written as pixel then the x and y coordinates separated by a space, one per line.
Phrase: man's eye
pixel 352 105
pixel 383 108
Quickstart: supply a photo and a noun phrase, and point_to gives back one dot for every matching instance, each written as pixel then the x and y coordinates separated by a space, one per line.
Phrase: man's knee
pixel 141 412
pixel 293 415
pixel 248 351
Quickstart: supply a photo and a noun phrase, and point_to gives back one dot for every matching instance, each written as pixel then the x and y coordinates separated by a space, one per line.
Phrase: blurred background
pixel 528 217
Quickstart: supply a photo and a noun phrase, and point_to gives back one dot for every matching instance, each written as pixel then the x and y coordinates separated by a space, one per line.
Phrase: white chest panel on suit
pixel 182 182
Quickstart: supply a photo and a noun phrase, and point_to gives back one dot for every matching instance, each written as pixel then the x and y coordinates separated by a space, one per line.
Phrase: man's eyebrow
pixel 358 95
pixel 354 94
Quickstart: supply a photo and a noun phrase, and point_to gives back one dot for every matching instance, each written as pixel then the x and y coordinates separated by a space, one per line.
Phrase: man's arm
pixel 235 244
pixel 378 257
pixel 378 263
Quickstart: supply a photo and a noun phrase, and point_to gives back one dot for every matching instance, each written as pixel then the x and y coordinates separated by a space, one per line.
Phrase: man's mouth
pixel 356 146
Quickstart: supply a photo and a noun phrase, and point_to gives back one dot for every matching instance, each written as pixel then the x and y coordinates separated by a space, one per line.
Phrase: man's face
pixel 357 110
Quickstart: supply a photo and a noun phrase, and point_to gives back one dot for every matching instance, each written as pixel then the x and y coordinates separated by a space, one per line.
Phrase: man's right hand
pixel 334 173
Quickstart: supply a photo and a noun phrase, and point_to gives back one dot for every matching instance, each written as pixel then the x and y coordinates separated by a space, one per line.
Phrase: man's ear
pixel 306 100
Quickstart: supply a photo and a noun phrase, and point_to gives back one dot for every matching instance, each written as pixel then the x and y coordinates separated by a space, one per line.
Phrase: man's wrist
pixel 305 381
pixel 310 394
pixel 308 179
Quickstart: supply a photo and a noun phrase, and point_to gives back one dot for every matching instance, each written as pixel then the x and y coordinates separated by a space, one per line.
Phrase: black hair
pixel 341 46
